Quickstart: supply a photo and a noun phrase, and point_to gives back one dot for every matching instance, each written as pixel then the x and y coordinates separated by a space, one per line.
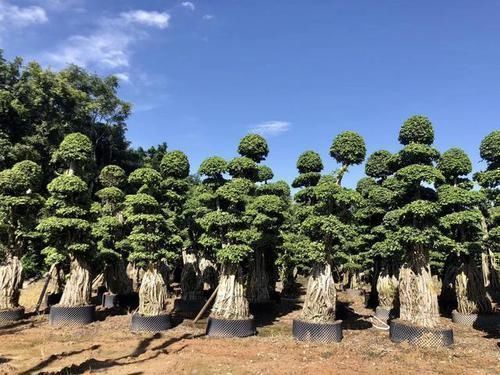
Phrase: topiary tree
pixel 328 222
pixel 460 220
pixel 152 240
pixel 414 220
pixel 489 180
pixel 19 207
pixel 66 227
pixel 109 230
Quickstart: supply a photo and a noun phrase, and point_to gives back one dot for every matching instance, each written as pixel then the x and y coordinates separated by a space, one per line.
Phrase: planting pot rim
pixel 440 336
pixel 303 330
pixel 230 327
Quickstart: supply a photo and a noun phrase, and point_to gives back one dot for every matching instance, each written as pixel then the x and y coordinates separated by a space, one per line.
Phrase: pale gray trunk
pixel 191 279
pixel 56 281
pixel 387 289
pixel 418 292
pixel 11 280
pixel 208 273
pixel 135 275
pixel 258 281
pixel 153 293
pixel 321 297
pixel 115 279
pixel 78 287
pixel 231 302
pixel 470 290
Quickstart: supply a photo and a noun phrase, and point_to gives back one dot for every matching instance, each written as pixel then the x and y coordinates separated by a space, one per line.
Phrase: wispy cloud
pixel 124 77
pixel 208 17
pixel 271 127
pixel 109 46
pixel 148 18
pixel 21 16
pixel 188 4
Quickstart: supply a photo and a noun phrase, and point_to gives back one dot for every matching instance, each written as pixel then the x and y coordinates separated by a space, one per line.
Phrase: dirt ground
pixel 107 346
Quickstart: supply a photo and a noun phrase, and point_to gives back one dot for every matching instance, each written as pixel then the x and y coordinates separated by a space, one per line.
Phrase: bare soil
pixel 107 346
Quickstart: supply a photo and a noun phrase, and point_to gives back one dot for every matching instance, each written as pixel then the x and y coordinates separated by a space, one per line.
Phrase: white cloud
pixel 148 18
pixel 208 17
pixel 125 77
pixel 21 16
pixel 110 45
pixel 271 127
pixel 188 4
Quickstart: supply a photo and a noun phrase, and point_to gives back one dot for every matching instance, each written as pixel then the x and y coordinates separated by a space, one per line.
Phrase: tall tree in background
pixel 489 180
pixel 19 207
pixel 66 227
pixel 460 220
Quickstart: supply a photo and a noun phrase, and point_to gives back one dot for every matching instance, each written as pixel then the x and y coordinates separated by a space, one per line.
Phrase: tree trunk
pixel 387 289
pixel 56 283
pixel 116 280
pixel 135 274
pixel 471 293
pixel 153 293
pixel 288 276
pixel 258 282
pixel 79 285
pixel 417 291
pixel 208 273
pixel 11 280
pixel 321 297
pixel 231 302
pixel 495 272
pixel 191 280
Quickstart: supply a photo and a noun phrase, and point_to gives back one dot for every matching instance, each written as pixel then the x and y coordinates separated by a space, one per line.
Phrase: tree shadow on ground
pixel 15 327
pixel 142 347
pixel 351 320
pixel 270 313
pixel 4 360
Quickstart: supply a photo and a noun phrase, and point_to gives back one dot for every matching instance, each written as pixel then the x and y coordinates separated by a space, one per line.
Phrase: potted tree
pixel 66 230
pixel 460 221
pixel 416 218
pixel 153 240
pixel 489 182
pixel 328 223
pixel 108 231
pixel 19 206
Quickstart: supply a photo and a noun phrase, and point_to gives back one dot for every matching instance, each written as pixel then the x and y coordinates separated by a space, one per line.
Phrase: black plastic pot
pixel 71 316
pixel 317 332
pixel 230 328
pixel 188 306
pixel 155 323
pixel 12 315
pixel 420 336
pixel 479 321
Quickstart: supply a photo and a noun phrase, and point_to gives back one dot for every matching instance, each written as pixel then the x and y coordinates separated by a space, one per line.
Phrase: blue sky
pixel 202 74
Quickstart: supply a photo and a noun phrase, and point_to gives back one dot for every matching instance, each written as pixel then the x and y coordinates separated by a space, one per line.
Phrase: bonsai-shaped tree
pixel 414 220
pixel 460 220
pixel 109 229
pixel 153 238
pixel 66 227
pixel 489 180
pixel 328 223
pixel 19 206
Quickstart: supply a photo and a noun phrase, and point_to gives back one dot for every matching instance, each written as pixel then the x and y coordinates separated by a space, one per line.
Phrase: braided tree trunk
pixel 231 302
pixel 79 285
pixel 387 289
pixel 321 297
pixel 471 293
pixel 288 276
pixel 191 280
pixel 116 280
pixel 208 273
pixel 417 291
pixel 153 293
pixel 11 280
pixel 135 275
pixel 258 282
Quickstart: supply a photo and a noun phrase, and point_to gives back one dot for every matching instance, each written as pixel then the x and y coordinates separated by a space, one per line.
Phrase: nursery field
pixel 31 346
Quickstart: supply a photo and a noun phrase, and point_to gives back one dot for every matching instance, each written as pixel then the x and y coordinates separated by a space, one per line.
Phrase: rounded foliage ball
pixel 454 163
pixel 264 173
pixel 348 148
pixel 253 146
pixel 490 148
pixel 74 147
pixel 112 175
pixel 417 129
pixel 309 161
pixel 30 171
pixel 378 164
pixel 175 164
pixel 213 166
pixel 145 176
